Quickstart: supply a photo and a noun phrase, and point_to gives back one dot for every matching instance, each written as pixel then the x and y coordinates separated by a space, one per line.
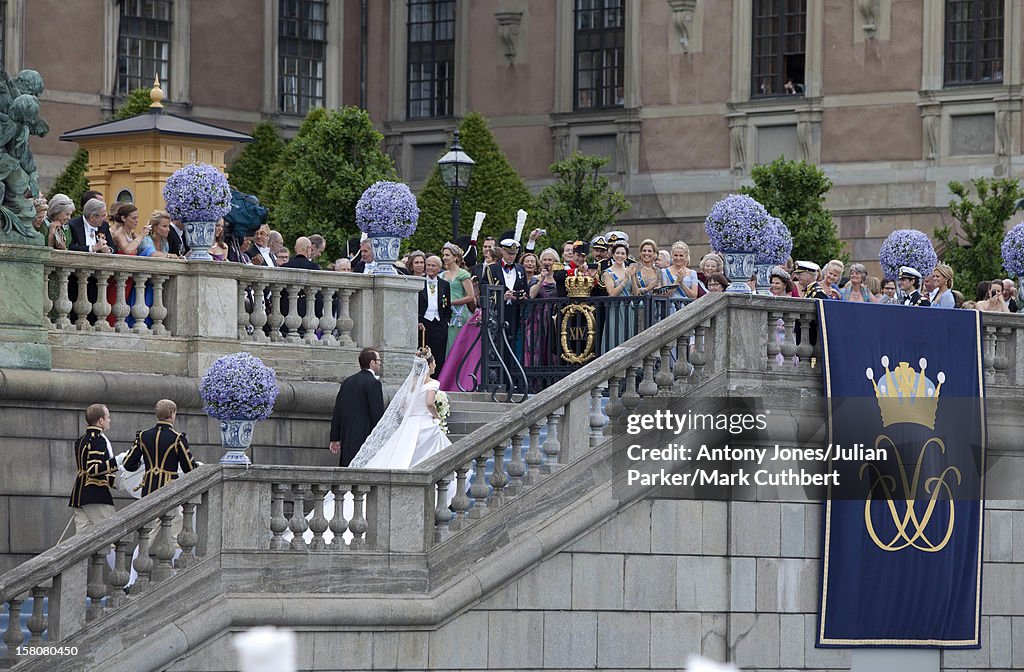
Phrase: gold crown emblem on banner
pixel 905 395
pixel 579 285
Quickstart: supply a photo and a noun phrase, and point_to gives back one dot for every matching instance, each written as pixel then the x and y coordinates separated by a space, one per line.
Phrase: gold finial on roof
pixel 156 94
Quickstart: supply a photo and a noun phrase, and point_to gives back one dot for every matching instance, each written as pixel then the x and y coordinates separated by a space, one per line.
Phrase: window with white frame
pixel 973 42
pixel 301 55
pixel 144 44
pixel 599 54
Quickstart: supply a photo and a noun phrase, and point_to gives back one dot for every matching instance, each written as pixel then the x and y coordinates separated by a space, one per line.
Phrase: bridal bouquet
pixel 444 409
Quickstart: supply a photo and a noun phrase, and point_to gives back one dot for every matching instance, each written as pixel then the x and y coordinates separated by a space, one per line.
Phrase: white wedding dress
pixel 406 435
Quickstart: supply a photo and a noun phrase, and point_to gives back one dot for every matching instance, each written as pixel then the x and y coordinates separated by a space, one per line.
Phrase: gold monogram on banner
pixel 905 395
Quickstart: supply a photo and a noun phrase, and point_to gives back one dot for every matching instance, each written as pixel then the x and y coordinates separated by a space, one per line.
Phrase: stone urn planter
pixel 387 213
pixel 239 390
pixel 197 195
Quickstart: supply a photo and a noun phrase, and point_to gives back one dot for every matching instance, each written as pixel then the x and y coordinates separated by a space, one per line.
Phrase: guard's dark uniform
pixel 163 450
pixel 96 470
pixel 816 291
pixel 916 298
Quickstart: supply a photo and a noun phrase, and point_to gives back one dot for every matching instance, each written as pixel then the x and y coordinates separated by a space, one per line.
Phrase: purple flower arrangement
pixel 1013 250
pixel 736 224
pixel 907 247
pixel 197 192
pixel 387 209
pixel 239 387
pixel 775 245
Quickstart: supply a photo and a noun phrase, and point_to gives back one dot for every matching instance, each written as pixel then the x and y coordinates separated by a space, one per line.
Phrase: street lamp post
pixel 455 167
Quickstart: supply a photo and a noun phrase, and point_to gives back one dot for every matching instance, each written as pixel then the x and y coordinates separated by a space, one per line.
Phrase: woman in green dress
pixel 461 282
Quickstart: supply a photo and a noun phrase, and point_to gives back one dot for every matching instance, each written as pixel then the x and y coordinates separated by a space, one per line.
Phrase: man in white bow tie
pixel 435 311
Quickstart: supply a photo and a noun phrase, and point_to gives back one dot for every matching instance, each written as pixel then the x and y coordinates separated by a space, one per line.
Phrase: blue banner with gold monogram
pixel 901 561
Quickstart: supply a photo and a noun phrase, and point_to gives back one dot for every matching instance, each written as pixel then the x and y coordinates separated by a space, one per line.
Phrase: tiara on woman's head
pixel 454 248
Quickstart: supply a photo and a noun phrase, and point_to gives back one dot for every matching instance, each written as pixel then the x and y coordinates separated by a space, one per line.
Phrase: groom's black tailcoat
pixel 357 410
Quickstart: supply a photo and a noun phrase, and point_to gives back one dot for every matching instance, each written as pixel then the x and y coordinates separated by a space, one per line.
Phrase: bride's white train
pixel 408 433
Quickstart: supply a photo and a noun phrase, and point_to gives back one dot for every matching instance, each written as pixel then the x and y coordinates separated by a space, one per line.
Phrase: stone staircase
pixel 471 411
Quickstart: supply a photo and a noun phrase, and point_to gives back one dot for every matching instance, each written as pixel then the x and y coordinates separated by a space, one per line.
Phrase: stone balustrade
pixel 400 535
pixel 175 317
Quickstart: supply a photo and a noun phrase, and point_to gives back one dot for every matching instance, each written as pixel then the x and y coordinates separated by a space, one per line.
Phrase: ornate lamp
pixel 456 167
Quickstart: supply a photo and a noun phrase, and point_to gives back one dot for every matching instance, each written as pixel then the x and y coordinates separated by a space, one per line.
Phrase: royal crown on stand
pixel 906 395
pixel 579 285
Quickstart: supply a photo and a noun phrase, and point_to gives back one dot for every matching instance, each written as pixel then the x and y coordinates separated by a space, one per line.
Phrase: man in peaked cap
pixel 805 274
pixel 910 284
pixel 599 246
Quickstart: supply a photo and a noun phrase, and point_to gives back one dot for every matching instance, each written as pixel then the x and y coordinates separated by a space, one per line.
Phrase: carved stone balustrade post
pixel 534 457
pixel 158 313
pixel 140 311
pixel 664 377
pixel 442 514
pixel 121 308
pixel 13 636
pixel 648 387
pixel 310 320
pixel 163 550
pixel 498 478
pixel 598 420
pixel 359 525
pixel 83 307
pixel 614 408
pixel 143 562
pixel 36 623
pixel 292 321
pixel 276 319
pixel 552 447
pixel 338 523
pixel 187 538
pixel 96 590
pixel 118 578
pixel 297 523
pixel 63 303
pixel 328 320
pixel 101 308
pixel 243 315
pixel 479 490
pixel 318 523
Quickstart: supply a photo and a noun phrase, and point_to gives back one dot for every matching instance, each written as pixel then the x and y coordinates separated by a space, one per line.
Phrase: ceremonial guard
pixel 96 465
pixel 162 449
pixel 805 273
pixel 910 283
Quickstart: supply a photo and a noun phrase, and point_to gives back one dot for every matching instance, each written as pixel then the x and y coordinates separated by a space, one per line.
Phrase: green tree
pixel 581 203
pixel 251 167
pixel 320 175
pixel 137 102
pixel 71 181
pixel 794 191
pixel 974 250
pixel 494 188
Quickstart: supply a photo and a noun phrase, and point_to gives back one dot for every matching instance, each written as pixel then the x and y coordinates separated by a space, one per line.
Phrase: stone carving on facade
pixel 1004 134
pixel 683 12
pixel 805 141
pixel 738 145
pixel 508 32
pixel 869 12
pixel 563 146
pixel 19 178
pixel 932 123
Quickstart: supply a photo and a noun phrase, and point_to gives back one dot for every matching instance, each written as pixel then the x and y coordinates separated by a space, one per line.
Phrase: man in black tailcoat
pixel 435 310
pixel 358 407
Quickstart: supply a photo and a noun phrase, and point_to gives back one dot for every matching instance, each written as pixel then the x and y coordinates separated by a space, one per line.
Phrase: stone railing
pixel 399 536
pixel 179 316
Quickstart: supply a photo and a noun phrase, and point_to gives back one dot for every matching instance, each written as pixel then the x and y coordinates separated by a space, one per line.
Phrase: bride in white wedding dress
pixel 408 433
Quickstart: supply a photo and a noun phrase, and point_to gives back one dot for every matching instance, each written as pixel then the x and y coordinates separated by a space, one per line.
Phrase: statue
pixel 19 178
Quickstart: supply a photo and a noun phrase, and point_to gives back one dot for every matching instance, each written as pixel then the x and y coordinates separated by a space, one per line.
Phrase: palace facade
pixel 892 98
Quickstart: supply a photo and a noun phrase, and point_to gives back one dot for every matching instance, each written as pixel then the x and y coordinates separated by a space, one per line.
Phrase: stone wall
pixel 656 583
